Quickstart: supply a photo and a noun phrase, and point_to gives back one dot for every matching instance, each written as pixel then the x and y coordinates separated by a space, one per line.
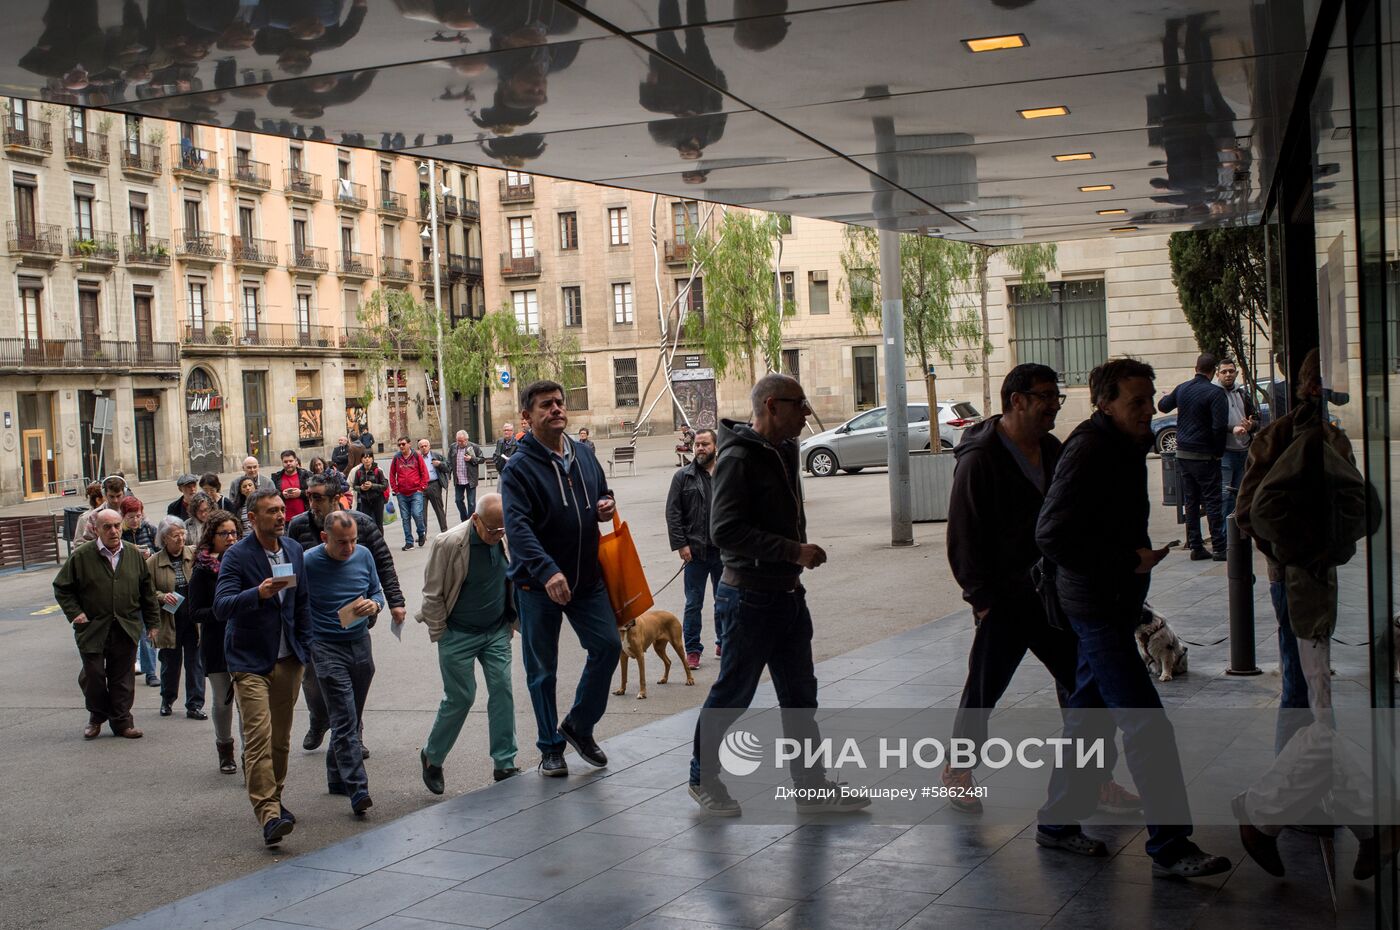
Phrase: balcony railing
pixel 34 239
pixel 27 136
pixel 350 195
pixel 396 269
pixel 208 326
pixel 88 353
pixel 354 264
pixel 249 175
pixel 520 266
pixel 302 185
pixel 449 205
pixel 517 193
pixel 258 253
pixel 86 149
pixel 198 245
pixel 425 208
pixel 93 245
pixel 287 335
pixel 677 253
pixel 307 259
pixel 140 158
pixel 471 210
pixel 463 266
pixel 147 250
pixel 425 273
pixel 193 163
pixel 392 203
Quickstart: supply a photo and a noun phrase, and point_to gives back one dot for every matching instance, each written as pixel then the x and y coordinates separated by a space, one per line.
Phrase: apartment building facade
pixel 197 290
pixel 579 259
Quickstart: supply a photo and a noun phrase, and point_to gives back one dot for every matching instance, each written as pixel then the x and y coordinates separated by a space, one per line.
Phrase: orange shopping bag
pixel 623 574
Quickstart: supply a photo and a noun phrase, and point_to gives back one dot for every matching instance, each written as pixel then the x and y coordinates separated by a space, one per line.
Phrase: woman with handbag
pixel 221 531
pixel 370 486
pixel 177 638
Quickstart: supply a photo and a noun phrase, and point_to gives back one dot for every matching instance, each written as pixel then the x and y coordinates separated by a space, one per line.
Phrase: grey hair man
pixel 469 609
pixel 760 527
pixel 252 469
pixel 464 462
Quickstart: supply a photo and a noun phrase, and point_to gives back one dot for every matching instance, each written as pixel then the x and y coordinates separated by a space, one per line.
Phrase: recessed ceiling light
pixel 1123 229
pixel 1042 112
pixel 1115 212
pixel 1095 188
pixel 1075 156
pixel 995 43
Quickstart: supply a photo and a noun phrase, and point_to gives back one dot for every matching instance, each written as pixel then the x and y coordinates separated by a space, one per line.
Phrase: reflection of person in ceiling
pixel 294 30
pixel 694 99
pixel 515 151
pixel 759 24
pixel 308 98
pixel 72 47
pixel 1194 119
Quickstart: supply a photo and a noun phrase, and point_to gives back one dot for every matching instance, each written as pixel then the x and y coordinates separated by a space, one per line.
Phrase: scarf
pixel 208 559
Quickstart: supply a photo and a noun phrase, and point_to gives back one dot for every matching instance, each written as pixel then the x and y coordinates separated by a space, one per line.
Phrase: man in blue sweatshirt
pixel 1202 423
pixel 555 495
pixel 344 593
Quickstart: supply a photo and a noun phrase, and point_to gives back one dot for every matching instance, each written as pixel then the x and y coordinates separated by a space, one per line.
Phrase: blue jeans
pixel 762 629
pixel 1293 703
pixel 1111 674
pixel 146 657
pixel 696 573
pixel 1231 474
pixel 411 509
pixel 344 669
pixel 467 507
pixel 591 615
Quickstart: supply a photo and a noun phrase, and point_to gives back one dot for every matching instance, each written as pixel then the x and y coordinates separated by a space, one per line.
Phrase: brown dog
pixel 653 629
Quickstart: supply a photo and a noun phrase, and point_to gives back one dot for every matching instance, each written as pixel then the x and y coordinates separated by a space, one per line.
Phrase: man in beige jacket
pixel 469 610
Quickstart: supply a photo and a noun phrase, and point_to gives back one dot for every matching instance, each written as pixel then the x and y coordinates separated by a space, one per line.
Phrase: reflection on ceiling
pixel 878 113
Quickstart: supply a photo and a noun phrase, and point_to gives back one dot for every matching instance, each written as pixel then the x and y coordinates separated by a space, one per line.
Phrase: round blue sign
pixel 505 379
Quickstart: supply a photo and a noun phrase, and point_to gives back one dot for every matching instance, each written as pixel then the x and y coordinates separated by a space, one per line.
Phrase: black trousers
pixel 432 493
pixel 1200 486
pixel 1000 643
pixel 108 680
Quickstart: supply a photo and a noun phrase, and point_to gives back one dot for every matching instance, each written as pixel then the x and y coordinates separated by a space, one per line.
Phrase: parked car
pixel 1164 427
pixel 860 442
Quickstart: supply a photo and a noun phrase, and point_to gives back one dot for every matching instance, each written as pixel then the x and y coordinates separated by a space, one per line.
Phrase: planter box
pixel 930 485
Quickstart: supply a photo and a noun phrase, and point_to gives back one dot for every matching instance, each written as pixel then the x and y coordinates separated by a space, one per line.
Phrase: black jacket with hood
pixel 1095 520
pixel 551 517
pixel 991 521
pixel 756 515
pixel 688 510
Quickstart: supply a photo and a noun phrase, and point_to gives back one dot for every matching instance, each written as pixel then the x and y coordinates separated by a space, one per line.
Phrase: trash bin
pixel 71 516
pixel 1171 486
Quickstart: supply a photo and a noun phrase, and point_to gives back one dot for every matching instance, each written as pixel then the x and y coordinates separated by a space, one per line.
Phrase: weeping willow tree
pixel 743 323
pixel 1029 263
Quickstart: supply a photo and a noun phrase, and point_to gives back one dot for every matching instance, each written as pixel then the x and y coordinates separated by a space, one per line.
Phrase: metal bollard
pixel 1239 570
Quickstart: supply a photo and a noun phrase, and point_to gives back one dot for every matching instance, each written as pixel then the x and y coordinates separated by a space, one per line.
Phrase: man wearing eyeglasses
pixel 1004 465
pixel 469 609
pixel 408 478
pixel 306 529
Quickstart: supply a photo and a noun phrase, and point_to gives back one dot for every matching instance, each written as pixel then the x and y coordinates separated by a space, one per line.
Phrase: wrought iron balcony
pixel 140 158
pixel 517 193
pixel 193 164
pixel 249 175
pixel 94 353
pixel 308 259
pixel 349 195
pixel 396 269
pixel 677 253
pixel 354 264
pixel 302 185
pixel 392 203
pixel 93 245
pixel 35 240
pixel 449 205
pixel 471 211
pixel 147 250
pixel 197 245
pixel 86 149
pixel 25 136
pixel 520 266
pixel 254 253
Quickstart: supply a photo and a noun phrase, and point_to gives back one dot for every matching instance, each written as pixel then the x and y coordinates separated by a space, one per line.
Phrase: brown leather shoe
pixel 131 733
pixel 92 731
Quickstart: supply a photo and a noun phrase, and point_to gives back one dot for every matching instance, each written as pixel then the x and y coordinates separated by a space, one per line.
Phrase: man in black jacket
pixel 1093 527
pixel 306 529
pixel 758 523
pixel 1004 466
pixel 340 456
pixel 688 526
pixel 1202 424
pixel 505 447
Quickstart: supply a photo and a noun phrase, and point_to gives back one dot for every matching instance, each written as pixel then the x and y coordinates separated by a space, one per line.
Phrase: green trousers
pixel 456 653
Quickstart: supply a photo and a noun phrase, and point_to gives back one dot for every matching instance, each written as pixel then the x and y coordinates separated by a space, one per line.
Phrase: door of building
pixel 36 448
pixel 204 410
pixel 145 445
pixel 88 319
pixel 145 330
pixel 255 415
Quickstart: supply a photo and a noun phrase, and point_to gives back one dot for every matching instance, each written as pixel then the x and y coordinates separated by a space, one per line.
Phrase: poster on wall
pixel 310 431
pixel 695 389
pixel 1333 345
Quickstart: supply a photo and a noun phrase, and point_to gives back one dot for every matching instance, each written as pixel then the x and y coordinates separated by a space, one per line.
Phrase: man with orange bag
pixel 555 494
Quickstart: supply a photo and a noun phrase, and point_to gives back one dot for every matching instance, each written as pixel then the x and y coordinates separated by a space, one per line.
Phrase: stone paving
pixel 625 847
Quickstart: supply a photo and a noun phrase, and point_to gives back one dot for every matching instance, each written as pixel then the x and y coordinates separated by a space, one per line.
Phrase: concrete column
pixel 896 391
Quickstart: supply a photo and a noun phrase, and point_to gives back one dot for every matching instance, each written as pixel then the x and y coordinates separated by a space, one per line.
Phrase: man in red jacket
pixel 408 476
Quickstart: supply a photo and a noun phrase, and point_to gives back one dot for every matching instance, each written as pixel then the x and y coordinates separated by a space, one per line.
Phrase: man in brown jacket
pixel 106 592
pixel 470 613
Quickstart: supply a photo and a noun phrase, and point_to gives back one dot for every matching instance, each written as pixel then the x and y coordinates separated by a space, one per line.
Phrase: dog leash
pixel 668 584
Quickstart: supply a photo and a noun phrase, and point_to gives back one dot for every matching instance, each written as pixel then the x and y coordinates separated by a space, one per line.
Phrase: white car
pixel 861 442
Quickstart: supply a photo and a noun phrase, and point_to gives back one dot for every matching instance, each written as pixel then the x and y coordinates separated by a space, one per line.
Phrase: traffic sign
pixel 505 379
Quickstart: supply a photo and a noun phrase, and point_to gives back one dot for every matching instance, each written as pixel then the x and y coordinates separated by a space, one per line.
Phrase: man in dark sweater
pixel 1093 527
pixel 1202 424
pixel 555 495
pixel 306 530
pixel 1004 466
pixel 758 522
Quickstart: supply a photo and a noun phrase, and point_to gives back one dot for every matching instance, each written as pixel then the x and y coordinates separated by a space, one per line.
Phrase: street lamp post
pixel 437 297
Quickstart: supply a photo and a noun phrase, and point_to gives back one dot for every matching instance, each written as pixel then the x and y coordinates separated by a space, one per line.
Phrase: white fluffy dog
pixel 1162 651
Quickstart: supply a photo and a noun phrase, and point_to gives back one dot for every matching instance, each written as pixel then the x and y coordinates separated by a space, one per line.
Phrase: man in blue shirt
pixel 1202 423
pixel 344 594
pixel 437 481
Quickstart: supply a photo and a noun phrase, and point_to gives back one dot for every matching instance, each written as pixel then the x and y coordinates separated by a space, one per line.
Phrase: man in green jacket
pixel 106 592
